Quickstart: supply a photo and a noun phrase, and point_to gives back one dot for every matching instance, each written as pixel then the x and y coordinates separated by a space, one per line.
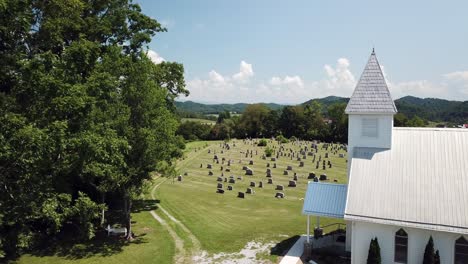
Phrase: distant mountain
pixel 199 108
pixel 432 109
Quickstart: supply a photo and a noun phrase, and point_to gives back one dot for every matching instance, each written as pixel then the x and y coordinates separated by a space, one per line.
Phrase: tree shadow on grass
pixel 101 245
pixel 281 248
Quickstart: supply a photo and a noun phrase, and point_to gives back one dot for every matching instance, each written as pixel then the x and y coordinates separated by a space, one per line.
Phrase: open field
pixel 225 223
pixel 199 120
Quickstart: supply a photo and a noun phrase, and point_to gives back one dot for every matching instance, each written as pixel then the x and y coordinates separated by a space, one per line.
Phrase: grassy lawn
pixel 225 223
pixel 199 120
pixel 153 245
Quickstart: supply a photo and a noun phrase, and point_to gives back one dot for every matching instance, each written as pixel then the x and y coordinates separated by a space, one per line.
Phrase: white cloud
pixel 155 57
pixel 245 72
pixel 337 80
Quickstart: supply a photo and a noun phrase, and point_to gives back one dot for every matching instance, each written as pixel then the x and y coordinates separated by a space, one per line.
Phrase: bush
pixel 374 252
pixel 262 143
pixel 268 152
pixel 429 254
pixel 281 139
pixel 293 138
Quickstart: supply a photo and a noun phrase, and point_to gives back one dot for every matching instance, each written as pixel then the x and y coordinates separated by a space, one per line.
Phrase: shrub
pixel 293 138
pixel 262 143
pixel 374 252
pixel 429 254
pixel 268 152
pixel 282 139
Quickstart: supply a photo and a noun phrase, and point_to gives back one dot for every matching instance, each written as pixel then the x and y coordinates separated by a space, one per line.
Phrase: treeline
pixel 301 121
pixel 86 117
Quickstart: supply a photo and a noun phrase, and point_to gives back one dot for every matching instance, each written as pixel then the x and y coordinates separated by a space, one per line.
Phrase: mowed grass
pixel 153 245
pixel 199 120
pixel 225 223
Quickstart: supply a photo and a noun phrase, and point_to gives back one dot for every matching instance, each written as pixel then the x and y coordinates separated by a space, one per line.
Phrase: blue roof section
pixel 325 199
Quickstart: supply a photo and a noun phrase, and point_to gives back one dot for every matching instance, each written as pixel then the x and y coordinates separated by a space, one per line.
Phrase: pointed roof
pixel 371 94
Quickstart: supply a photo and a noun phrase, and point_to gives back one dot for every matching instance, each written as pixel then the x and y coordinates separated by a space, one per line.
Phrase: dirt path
pixel 182 254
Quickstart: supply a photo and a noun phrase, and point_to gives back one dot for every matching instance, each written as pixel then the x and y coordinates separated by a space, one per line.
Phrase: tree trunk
pixel 128 218
pixel 103 197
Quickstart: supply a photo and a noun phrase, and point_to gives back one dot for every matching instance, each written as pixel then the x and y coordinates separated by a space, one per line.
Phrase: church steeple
pixel 371 110
pixel 371 94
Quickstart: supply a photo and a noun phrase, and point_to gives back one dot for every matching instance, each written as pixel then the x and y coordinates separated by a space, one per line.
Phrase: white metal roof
pixel 421 182
pixel 325 199
pixel 371 94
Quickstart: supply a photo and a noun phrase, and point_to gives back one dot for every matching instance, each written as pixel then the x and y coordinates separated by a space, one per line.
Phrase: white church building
pixel 404 184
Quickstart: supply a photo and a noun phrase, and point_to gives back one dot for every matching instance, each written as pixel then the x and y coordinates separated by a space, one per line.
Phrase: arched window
pixel 401 246
pixel 461 251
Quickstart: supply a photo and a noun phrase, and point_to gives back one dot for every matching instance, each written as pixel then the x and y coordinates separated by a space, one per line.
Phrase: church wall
pixel 362 233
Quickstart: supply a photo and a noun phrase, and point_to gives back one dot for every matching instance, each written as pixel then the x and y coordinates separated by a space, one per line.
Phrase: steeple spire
pixel 371 94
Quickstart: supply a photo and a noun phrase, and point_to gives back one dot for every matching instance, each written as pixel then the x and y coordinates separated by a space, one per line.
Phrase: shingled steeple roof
pixel 371 94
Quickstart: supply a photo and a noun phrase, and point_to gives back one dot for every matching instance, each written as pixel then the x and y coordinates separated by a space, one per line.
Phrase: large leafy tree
pixel 84 113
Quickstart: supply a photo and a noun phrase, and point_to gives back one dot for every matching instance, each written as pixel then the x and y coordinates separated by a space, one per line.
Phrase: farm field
pixel 225 223
pixel 199 120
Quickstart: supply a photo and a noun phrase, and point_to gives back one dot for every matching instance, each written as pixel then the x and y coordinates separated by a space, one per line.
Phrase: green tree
pixel 339 125
pixel 429 254
pixel 416 121
pixel 252 121
pixel 373 256
pixel 222 116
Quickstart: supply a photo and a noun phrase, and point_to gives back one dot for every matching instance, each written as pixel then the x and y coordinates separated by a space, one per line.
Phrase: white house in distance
pixel 404 184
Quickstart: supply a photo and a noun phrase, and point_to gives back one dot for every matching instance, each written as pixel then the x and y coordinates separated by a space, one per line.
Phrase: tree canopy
pixel 85 115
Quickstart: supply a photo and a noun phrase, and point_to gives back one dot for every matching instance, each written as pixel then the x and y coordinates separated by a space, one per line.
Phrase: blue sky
pixel 291 51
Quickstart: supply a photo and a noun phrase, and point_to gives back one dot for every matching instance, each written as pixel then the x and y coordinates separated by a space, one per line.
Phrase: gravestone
pixel 295 177
pixel 316 179
pixel 230 188
pixel 221 191
pixel 268 165
pixel 220 185
pixel 273 159
pixel 252 184
pixel 260 184
pixel 289 167
pixel 209 166
pixel 270 181
pixel 292 184
pixel 311 175
pixel 251 162
pixel 220 179
pixel 179 178
pixel 240 195
pixel 279 187
pixel 274 165
pixel 301 164
pixel 210 173
pixel 232 181
pixel 250 191
pixel 323 177
pixel 248 171
pixel 285 172
pixel 245 167
pixel 239 177
pixel 279 195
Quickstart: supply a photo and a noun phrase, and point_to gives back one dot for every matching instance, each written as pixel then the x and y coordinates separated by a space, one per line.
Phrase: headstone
pixel 316 179
pixel 252 184
pixel 240 195
pixel 239 177
pixel 273 159
pixel 220 179
pixel 323 177
pixel 230 188
pixel 268 165
pixel 249 172
pixel 220 185
pixel 285 172
pixel 250 191
pixel 185 173
pixel 295 177
pixel 270 181
pixel 210 173
pixel 341 155
pixel 221 191
pixel 274 165
pixel 251 162
pixel 292 184
pixel 232 181
pixel 301 164
pixel 279 195
pixel 279 187
pixel 225 179
pixel 209 166
pixel 311 175
pixel 245 167
pixel 289 167
pixel 260 184
pixel 179 178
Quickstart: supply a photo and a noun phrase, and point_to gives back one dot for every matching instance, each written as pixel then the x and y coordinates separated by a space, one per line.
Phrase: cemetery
pixel 253 198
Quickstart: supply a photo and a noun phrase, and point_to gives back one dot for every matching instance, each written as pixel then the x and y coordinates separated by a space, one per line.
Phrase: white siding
pixel 355 133
pixel 363 232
